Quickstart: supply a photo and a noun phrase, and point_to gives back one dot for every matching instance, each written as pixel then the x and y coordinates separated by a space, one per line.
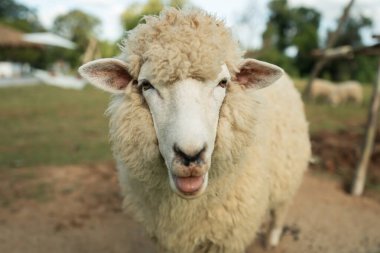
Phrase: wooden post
pixel 367 148
pixel 330 43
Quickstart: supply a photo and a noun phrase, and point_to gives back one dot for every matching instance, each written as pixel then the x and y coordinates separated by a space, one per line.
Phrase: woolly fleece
pixel 181 44
pixel 261 151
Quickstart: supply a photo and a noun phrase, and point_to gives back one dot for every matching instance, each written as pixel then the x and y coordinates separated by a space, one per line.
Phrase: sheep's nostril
pixel 189 157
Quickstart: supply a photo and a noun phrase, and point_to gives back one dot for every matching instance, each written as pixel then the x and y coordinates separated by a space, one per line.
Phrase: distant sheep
pixel 204 148
pixel 336 94
pixel 322 89
pixel 350 91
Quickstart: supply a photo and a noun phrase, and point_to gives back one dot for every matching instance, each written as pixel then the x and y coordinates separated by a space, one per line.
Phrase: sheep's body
pixel 336 94
pixel 322 89
pixel 261 147
pixel 349 91
pixel 261 152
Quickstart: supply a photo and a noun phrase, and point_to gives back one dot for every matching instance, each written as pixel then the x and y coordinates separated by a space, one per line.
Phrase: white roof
pixel 50 39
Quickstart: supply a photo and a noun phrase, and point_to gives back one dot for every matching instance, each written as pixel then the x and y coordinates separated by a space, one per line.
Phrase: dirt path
pixel 75 209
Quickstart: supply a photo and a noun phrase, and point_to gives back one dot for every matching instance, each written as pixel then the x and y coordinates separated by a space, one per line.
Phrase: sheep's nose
pixel 188 157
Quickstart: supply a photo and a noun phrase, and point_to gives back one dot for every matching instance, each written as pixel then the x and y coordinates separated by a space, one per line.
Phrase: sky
pixel 109 11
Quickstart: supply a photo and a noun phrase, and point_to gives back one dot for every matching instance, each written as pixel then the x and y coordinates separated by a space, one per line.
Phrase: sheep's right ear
pixel 257 74
pixel 108 74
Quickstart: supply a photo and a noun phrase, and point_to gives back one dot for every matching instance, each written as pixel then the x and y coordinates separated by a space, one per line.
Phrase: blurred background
pixel 58 187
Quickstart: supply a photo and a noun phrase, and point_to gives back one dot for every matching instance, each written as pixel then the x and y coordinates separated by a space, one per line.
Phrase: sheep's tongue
pixel 189 184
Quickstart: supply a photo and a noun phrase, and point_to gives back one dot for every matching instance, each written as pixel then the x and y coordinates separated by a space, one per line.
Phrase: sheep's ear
pixel 257 74
pixel 108 74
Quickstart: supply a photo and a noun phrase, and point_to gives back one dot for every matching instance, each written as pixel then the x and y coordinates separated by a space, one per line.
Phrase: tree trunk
pixel 368 142
pixel 91 51
pixel 330 43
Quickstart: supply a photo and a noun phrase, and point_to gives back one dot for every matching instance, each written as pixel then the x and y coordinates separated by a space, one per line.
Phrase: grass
pixel 45 125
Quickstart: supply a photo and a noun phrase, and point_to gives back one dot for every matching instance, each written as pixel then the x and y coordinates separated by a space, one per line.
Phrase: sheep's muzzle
pixel 189 185
pixel 188 180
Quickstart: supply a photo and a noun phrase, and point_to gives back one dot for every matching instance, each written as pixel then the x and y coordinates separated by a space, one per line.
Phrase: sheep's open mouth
pixel 189 187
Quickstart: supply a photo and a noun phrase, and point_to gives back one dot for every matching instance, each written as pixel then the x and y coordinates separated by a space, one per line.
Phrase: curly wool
pixel 181 44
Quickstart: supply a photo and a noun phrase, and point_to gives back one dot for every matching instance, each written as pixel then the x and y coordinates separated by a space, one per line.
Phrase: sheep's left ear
pixel 257 74
pixel 108 74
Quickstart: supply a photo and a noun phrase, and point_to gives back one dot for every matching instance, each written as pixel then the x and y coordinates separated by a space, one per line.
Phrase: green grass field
pixel 44 125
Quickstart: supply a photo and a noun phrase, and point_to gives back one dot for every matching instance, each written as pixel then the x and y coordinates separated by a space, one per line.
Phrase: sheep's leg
pixel 277 225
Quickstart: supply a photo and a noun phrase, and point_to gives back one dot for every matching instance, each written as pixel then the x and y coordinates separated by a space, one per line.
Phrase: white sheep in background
pixel 204 150
pixel 336 94
pixel 349 91
pixel 323 89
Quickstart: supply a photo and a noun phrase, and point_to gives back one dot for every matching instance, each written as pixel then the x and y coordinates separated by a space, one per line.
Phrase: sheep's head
pixel 185 113
pixel 182 66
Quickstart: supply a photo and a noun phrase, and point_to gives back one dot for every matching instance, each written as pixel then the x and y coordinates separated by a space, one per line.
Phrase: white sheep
pixel 349 91
pixel 203 153
pixel 323 89
pixel 336 94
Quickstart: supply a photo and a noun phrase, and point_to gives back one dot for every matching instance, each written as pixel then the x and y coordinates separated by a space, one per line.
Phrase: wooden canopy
pixel 10 37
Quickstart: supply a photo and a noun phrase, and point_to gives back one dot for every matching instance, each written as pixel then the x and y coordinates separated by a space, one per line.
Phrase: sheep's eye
pixel 146 85
pixel 223 83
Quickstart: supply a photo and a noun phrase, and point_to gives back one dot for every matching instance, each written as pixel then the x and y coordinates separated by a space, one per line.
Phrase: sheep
pixel 322 89
pixel 349 91
pixel 339 93
pixel 206 143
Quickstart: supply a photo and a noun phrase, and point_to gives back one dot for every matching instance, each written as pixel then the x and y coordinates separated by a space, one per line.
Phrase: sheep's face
pixel 185 116
pixel 185 113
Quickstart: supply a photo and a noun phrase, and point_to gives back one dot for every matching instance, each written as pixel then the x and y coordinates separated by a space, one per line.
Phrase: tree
pixel 330 43
pixel 24 19
pixel 280 21
pixel 306 22
pixel 360 68
pixel 19 16
pixel 108 48
pixel 133 15
pixel 291 27
pixel 78 27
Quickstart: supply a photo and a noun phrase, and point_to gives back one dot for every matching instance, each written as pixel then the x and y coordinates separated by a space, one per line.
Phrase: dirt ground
pixel 76 209
pixel 338 153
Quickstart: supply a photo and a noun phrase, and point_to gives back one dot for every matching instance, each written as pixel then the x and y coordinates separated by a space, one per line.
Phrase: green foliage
pixel 306 23
pixel 19 16
pixel 78 27
pixel 30 55
pixel 274 56
pixel 134 14
pixel 289 27
pixel 298 26
pixel 365 69
pixel 280 22
pixel 23 19
pixel 361 68
pixel 108 49
pixel 351 31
